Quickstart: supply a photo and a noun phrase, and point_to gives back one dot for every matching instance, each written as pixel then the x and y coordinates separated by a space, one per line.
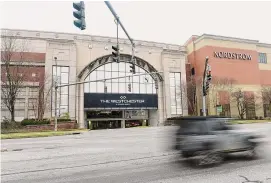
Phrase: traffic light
pixel 79 14
pixel 207 81
pixel 207 85
pixel 209 76
pixel 129 87
pixel 116 53
pixel 204 91
pixel 132 66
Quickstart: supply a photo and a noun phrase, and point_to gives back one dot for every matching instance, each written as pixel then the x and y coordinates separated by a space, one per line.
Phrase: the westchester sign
pixel 229 55
pixel 120 100
pixel 123 101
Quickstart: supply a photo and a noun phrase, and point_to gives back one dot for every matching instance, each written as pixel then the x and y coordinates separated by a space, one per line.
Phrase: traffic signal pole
pixel 106 79
pixel 118 20
pixel 125 31
pixel 204 88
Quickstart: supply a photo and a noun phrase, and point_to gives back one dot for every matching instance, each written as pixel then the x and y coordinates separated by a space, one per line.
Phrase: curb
pixel 76 133
pixel 6 150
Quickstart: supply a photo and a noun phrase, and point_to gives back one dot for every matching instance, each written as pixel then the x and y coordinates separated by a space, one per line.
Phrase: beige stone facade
pixel 77 52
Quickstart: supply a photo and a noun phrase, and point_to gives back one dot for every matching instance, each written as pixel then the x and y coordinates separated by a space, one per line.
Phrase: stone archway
pixel 106 59
pixel 123 58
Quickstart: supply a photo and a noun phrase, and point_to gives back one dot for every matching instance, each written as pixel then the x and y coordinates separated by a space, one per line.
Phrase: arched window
pixel 144 84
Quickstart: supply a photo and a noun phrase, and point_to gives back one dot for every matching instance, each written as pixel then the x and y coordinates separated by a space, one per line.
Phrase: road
pixel 121 155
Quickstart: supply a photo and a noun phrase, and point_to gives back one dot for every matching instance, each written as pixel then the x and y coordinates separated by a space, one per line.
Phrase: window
pixel 32 103
pixel 33 74
pixel 21 92
pixel 33 92
pixel 61 73
pixel 262 58
pixel 139 84
pixel 175 93
pixel 19 103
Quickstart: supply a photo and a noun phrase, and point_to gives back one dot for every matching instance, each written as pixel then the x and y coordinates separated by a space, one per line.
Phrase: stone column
pixel 153 117
pixel 26 110
pixel 123 123
pixel 81 117
pixel 123 120
pixel 161 113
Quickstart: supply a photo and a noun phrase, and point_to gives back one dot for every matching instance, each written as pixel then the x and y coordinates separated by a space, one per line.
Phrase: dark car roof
pixel 185 119
pixel 196 118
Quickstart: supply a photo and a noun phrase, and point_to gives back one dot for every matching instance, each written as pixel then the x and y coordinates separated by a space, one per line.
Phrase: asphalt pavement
pixel 123 155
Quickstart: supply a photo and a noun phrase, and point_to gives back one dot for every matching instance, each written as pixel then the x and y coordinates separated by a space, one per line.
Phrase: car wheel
pixel 217 158
pixel 186 154
pixel 252 153
pixel 209 158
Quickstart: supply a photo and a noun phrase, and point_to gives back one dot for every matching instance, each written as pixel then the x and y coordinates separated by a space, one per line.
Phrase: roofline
pixel 236 39
pixel 190 39
pixel 228 37
pixel 77 34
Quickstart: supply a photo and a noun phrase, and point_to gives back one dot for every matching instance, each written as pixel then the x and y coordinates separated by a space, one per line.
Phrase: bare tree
pixel 41 99
pixel 266 93
pixel 245 102
pixel 189 90
pixel 219 85
pixel 12 69
pixel 266 97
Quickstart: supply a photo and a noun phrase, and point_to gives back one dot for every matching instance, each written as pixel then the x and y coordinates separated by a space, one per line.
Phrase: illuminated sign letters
pixel 118 100
pixel 229 55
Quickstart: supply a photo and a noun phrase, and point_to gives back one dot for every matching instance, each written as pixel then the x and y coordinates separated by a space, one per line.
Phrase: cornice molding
pixel 69 37
pixel 233 39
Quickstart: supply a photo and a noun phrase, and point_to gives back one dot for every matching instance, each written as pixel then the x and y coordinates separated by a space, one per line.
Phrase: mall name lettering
pixel 123 101
pixel 240 56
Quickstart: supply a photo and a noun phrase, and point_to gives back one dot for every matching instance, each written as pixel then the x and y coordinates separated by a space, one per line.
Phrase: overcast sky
pixel 168 22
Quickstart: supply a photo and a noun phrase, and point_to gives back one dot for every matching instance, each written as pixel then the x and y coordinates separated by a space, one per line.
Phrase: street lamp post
pixel 56 95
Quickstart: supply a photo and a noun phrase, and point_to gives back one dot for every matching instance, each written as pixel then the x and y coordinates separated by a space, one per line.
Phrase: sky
pixel 168 22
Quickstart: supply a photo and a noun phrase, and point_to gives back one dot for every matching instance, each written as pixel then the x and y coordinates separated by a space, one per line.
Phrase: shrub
pixel 261 118
pixel 63 120
pixel 10 125
pixel 66 116
pixel 256 117
pixel 34 122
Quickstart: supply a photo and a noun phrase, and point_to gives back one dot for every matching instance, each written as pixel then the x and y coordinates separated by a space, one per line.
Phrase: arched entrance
pixel 123 102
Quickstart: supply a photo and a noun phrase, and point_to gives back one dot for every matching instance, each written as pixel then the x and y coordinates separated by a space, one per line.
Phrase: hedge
pixel 34 122
pixel 10 125
pixel 63 120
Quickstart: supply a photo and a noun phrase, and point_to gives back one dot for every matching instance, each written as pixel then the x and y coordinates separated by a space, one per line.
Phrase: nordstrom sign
pixel 229 55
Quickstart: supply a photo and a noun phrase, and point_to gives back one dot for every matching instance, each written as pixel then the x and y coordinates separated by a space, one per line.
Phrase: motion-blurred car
pixel 206 140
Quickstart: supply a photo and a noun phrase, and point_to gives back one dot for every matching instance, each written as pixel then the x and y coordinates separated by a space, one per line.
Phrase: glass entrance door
pixel 111 124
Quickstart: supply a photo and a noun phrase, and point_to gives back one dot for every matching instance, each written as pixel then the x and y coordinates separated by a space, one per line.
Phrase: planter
pixel 60 126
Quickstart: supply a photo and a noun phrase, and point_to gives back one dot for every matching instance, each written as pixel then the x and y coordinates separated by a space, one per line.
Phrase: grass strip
pixel 249 121
pixel 37 134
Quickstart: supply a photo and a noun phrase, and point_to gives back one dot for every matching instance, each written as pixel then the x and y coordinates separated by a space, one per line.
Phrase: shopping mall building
pixel 107 103
pixel 161 93
pixel 236 65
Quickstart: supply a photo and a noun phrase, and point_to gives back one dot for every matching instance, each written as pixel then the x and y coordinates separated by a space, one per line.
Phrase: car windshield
pixel 192 127
pixel 218 125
